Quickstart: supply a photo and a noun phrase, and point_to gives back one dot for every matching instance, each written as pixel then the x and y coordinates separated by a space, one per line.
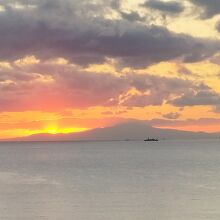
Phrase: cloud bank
pixel 80 32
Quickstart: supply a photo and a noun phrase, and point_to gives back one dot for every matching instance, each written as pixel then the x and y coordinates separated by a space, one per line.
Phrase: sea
pixel 115 180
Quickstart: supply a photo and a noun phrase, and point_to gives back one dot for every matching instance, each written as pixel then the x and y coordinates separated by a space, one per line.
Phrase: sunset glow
pixel 56 130
pixel 71 66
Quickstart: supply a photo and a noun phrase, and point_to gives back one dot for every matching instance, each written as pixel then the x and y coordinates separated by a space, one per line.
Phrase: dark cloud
pixel 156 90
pixel 115 4
pixel 79 32
pixel 210 7
pixel 57 87
pixel 201 97
pixel 132 16
pixel 172 7
pixel 142 100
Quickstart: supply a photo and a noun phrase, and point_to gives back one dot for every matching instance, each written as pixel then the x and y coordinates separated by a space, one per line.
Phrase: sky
pixel 73 65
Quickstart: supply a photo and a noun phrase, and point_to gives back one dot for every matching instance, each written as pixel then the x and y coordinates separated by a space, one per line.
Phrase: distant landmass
pixel 133 130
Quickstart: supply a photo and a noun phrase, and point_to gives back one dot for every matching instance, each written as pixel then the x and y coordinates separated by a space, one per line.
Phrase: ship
pixel 151 139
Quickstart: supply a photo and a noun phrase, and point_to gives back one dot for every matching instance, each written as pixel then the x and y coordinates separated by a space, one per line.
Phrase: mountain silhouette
pixel 132 130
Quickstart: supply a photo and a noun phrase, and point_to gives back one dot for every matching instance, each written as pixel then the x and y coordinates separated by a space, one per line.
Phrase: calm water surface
pixel 168 180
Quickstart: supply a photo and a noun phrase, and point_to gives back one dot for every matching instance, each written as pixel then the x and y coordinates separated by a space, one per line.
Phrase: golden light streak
pixel 56 130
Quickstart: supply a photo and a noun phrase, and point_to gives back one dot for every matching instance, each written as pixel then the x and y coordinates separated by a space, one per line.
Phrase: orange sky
pixel 109 62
